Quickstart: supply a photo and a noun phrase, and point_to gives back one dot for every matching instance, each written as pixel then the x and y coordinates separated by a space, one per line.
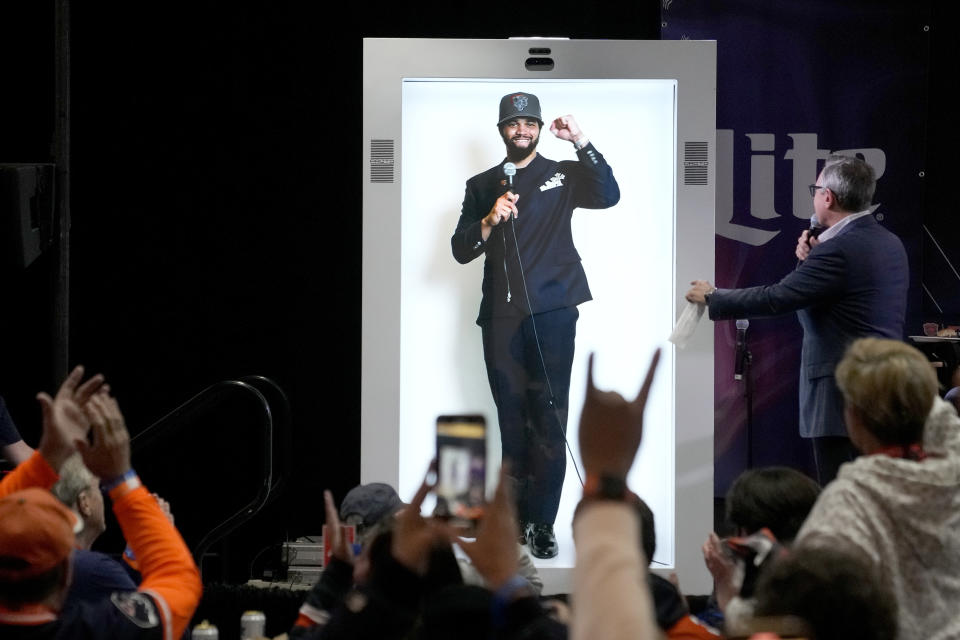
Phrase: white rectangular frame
pixel 387 62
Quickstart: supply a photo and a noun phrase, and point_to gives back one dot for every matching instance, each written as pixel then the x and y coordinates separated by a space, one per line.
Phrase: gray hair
pixel 75 478
pixel 851 180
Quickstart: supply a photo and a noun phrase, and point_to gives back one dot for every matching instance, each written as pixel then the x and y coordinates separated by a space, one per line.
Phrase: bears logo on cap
pixel 519 105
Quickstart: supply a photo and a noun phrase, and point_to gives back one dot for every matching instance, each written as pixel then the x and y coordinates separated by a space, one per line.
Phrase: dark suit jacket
pixel 549 192
pixel 851 286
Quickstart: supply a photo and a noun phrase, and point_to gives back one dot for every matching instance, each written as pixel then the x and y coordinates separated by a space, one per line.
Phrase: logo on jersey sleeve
pixel 138 607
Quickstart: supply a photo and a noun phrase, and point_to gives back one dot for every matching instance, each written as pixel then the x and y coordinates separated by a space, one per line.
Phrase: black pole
pixel 748 394
pixel 61 157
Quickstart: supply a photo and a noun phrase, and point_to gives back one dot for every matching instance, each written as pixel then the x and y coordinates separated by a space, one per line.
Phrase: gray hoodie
pixel 903 518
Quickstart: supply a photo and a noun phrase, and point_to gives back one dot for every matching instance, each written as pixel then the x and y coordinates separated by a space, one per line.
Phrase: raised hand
pixel 414 535
pixel 109 455
pixel 165 507
pixel 611 427
pixel 566 128
pixel 338 542
pixel 494 552
pixel 65 422
pixel 722 567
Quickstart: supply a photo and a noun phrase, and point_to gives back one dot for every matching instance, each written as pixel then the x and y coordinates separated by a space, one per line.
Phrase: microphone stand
pixel 748 395
pixel 741 371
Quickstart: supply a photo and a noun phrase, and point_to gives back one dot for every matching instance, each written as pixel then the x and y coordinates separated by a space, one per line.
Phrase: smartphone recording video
pixel 461 467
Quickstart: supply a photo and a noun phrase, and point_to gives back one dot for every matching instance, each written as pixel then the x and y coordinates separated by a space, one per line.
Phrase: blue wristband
pixel 503 596
pixel 119 480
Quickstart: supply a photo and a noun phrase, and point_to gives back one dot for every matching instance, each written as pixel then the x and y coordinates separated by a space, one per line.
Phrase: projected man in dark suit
pixel 532 284
pixel 851 283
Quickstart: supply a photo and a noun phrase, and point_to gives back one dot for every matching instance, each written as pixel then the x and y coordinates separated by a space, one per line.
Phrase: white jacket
pixel 903 518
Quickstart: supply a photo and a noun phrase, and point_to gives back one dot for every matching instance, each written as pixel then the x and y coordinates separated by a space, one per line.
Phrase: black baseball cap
pixel 371 502
pixel 519 105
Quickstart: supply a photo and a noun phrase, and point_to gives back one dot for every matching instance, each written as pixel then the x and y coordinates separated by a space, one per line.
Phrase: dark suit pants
pixel 526 358
pixel 829 452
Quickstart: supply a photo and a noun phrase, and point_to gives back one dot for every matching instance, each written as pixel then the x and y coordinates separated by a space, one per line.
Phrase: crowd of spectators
pixel 874 554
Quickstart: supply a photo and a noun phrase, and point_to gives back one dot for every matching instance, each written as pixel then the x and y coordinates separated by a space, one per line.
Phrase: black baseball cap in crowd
pixel 371 502
pixel 519 105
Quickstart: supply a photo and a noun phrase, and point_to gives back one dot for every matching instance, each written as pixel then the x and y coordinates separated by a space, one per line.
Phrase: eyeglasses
pixel 813 189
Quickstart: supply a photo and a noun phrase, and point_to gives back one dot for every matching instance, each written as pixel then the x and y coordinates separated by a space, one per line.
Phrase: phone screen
pixel 461 467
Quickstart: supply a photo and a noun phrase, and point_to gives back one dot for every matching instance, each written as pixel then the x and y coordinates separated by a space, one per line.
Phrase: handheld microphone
pixel 815 228
pixel 741 354
pixel 509 170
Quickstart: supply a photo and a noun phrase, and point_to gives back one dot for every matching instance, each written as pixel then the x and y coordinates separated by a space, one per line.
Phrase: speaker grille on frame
pixel 381 161
pixel 695 163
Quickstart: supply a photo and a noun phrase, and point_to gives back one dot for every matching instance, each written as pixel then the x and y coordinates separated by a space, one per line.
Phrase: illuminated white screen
pixel 449 134
pixel 429 115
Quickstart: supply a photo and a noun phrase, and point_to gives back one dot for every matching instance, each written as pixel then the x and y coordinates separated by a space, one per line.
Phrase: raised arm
pixel 595 186
pixel 65 424
pixel 515 610
pixel 611 596
pixel 170 576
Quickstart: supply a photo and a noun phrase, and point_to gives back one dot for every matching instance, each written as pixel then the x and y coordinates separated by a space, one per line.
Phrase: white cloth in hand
pixel 687 324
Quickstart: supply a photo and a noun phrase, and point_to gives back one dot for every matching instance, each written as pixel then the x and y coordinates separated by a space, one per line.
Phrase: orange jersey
pixel 169 573
pixel 35 471
pixel 170 577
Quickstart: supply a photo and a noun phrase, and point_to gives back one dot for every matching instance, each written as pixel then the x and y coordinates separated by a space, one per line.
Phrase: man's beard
pixel 515 153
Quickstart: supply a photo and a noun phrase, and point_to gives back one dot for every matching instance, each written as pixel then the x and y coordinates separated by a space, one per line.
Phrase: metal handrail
pixel 282 445
pixel 204 400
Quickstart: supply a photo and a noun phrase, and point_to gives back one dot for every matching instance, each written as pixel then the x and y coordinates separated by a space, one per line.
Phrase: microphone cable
pixel 536 338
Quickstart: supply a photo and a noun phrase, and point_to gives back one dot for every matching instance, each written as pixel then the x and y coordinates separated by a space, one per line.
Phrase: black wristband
pixel 605 487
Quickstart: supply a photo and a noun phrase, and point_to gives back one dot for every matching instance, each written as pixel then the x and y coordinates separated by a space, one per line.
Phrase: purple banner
pixel 796 81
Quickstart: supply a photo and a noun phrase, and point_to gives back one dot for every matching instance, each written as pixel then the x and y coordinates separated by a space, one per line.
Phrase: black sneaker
pixel 542 540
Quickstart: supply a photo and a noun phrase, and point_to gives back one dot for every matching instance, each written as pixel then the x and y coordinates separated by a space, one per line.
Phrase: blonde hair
pixel 891 385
